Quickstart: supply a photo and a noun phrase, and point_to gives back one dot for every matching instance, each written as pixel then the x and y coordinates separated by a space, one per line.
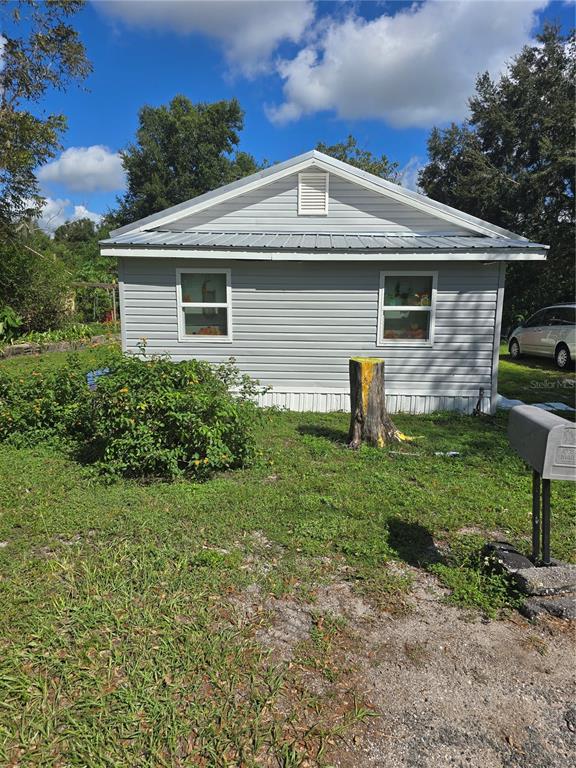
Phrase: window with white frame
pixel 204 304
pixel 407 307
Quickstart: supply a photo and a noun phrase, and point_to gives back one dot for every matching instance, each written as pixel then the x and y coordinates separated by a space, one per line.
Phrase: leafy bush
pixel 42 405
pixel 10 322
pixel 36 284
pixel 145 418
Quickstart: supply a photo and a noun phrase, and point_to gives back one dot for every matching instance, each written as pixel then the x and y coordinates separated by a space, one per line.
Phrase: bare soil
pixel 447 688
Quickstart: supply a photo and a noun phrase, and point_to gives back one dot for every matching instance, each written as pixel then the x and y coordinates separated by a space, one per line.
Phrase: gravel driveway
pixel 447 688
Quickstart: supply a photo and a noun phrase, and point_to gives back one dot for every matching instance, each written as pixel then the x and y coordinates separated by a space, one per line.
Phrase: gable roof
pixel 317 160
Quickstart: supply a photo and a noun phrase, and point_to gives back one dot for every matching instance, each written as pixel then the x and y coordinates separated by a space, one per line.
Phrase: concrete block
pixel 503 554
pixel 561 606
pixel 553 580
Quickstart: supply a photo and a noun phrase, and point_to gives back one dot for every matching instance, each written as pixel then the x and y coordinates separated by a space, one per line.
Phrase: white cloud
pixel 249 30
pixel 58 211
pixel 81 212
pixel 409 173
pixel 53 214
pixel 414 68
pixel 86 169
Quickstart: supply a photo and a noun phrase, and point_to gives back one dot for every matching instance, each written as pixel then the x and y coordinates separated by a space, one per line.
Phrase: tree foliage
pixel 40 50
pixel 77 231
pixel 182 150
pixel 76 242
pixel 34 282
pixel 37 274
pixel 512 163
pixel 350 152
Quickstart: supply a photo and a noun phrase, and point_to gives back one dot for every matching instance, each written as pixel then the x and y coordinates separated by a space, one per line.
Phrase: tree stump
pixel 369 419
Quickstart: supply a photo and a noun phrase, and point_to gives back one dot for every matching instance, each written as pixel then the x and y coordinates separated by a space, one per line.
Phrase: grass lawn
pixel 121 639
pixel 535 380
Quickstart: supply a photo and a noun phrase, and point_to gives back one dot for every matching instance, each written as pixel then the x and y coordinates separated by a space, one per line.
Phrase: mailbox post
pixel 548 444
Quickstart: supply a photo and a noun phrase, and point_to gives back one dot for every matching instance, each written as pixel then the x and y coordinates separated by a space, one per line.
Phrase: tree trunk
pixel 369 419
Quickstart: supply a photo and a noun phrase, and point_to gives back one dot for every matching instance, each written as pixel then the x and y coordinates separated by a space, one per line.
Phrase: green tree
pixel 34 281
pixel 39 50
pixel 76 244
pixel 37 274
pixel 349 152
pixel 182 150
pixel 77 231
pixel 512 163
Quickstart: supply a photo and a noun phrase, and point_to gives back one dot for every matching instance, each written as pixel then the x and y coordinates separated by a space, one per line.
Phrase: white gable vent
pixel 313 194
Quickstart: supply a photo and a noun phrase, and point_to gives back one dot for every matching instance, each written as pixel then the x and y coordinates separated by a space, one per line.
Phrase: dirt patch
pixel 289 626
pixel 490 535
pixel 340 599
pixel 286 622
pixel 261 554
pixel 448 688
pixel 452 689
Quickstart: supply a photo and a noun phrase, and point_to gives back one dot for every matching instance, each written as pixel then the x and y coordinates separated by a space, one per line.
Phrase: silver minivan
pixel 550 332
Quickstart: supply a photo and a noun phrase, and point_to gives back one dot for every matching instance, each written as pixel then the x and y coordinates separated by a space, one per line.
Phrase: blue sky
pixel 303 72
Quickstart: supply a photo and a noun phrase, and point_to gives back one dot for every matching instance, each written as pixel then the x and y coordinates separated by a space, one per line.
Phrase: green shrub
pixel 10 322
pixel 146 417
pixel 42 405
pixel 35 283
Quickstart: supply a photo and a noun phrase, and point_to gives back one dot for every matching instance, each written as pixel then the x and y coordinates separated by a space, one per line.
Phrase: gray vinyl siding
pixel 352 208
pixel 295 325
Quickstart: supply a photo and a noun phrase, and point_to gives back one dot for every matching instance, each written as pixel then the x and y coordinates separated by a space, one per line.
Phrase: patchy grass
pixel 26 365
pixel 470 582
pixel 535 380
pixel 81 332
pixel 119 642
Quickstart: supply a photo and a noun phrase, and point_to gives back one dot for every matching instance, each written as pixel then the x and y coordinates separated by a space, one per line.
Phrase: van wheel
pixel 562 357
pixel 514 349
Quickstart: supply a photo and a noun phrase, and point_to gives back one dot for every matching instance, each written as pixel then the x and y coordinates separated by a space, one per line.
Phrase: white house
pixel 299 267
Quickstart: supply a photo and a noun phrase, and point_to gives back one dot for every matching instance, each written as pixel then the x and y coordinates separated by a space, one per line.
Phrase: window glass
pixel 563 316
pixel 211 321
pixel 203 288
pixel 547 317
pixel 406 325
pixel 409 290
pixel 535 320
pixel 204 306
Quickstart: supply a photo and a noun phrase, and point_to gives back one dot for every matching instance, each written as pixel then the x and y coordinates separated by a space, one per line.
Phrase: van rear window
pixel 563 316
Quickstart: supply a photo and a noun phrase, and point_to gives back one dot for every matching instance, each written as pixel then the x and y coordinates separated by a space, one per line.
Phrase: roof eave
pixel 263 254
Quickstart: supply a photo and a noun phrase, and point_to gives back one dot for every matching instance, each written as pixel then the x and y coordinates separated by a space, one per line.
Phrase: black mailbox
pixel 548 444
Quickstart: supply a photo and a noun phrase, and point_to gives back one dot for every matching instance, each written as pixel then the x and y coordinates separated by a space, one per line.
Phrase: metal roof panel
pixel 324 241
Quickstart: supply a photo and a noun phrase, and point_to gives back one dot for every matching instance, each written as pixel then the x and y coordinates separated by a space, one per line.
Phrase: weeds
pixel 472 581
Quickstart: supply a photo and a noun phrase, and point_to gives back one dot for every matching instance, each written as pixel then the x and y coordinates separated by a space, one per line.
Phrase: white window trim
pixel 429 342
pixel 318 212
pixel 181 305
